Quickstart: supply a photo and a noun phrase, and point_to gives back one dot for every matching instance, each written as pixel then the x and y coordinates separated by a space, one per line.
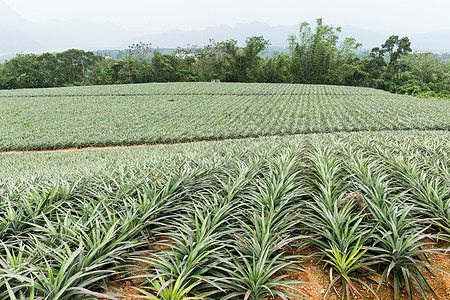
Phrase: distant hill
pixel 433 41
pixel 19 35
pixel 57 35
pixel 13 41
pixel 12 36
pixel 277 35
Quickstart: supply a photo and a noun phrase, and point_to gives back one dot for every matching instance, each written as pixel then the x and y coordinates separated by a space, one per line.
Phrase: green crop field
pixel 320 192
pixel 166 158
pixel 175 112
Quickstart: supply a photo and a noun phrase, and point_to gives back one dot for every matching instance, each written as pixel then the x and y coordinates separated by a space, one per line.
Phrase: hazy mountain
pixel 13 41
pixel 9 18
pixel 18 35
pixel 58 35
pixel 367 38
pixel 438 40
pixel 12 36
pixel 175 38
pixel 278 36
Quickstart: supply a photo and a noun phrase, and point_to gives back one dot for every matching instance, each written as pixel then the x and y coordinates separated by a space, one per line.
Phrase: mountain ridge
pixel 18 35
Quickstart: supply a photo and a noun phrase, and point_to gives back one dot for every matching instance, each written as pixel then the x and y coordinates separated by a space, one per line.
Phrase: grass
pixel 176 112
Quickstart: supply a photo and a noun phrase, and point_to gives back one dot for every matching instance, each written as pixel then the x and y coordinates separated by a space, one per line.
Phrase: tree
pixel 395 48
pixel 24 71
pixel 101 72
pixel 424 72
pixel 241 63
pixel 253 47
pixel 314 54
pixel 422 66
pixel 344 63
pixel 275 69
pixel 208 62
pixel 167 68
pixel 392 49
pixel 140 51
pixel 75 65
pixel 381 64
pixel 49 65
pixel 230 59
pixel 130 70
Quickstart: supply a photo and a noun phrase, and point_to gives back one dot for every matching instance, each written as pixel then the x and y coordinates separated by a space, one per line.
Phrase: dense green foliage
pixel 177 112
pixel 218 226
pixel 317 56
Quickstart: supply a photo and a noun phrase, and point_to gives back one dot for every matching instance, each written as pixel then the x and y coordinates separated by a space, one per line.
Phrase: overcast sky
pixel 399 16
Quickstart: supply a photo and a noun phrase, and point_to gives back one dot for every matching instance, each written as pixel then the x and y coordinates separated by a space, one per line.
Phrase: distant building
pixel 183 55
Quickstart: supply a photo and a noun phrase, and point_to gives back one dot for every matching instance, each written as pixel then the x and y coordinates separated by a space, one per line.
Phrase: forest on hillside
pixel 317 55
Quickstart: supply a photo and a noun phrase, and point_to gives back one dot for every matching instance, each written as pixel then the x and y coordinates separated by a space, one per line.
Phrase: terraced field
pixel 304 209
pixel 177 112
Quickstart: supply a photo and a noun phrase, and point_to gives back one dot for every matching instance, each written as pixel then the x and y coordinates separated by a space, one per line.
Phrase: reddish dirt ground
pixel 76 149
pixel 318 279
pixel 105 147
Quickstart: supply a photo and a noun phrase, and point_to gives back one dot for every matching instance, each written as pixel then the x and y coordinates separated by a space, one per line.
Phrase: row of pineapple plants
pixel 172 113
pixel 193 88
pixel 232 231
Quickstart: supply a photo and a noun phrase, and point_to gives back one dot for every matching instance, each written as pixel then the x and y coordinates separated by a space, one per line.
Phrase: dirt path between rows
pixel 80 148
pixel 204 140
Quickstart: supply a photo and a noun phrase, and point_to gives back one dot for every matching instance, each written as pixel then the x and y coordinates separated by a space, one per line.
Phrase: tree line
pixel 317 55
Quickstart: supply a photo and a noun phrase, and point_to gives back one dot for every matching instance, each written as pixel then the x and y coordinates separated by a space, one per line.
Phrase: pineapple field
pixel 227 191
pixel 39 119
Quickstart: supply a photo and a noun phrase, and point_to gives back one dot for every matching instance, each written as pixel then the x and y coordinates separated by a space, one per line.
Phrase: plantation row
pixel 229 226
pixel 198 88
pixel 32 123
pixel 20 166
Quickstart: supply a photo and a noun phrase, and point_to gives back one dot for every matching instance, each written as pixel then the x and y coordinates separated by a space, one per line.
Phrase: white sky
pixel 400 16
